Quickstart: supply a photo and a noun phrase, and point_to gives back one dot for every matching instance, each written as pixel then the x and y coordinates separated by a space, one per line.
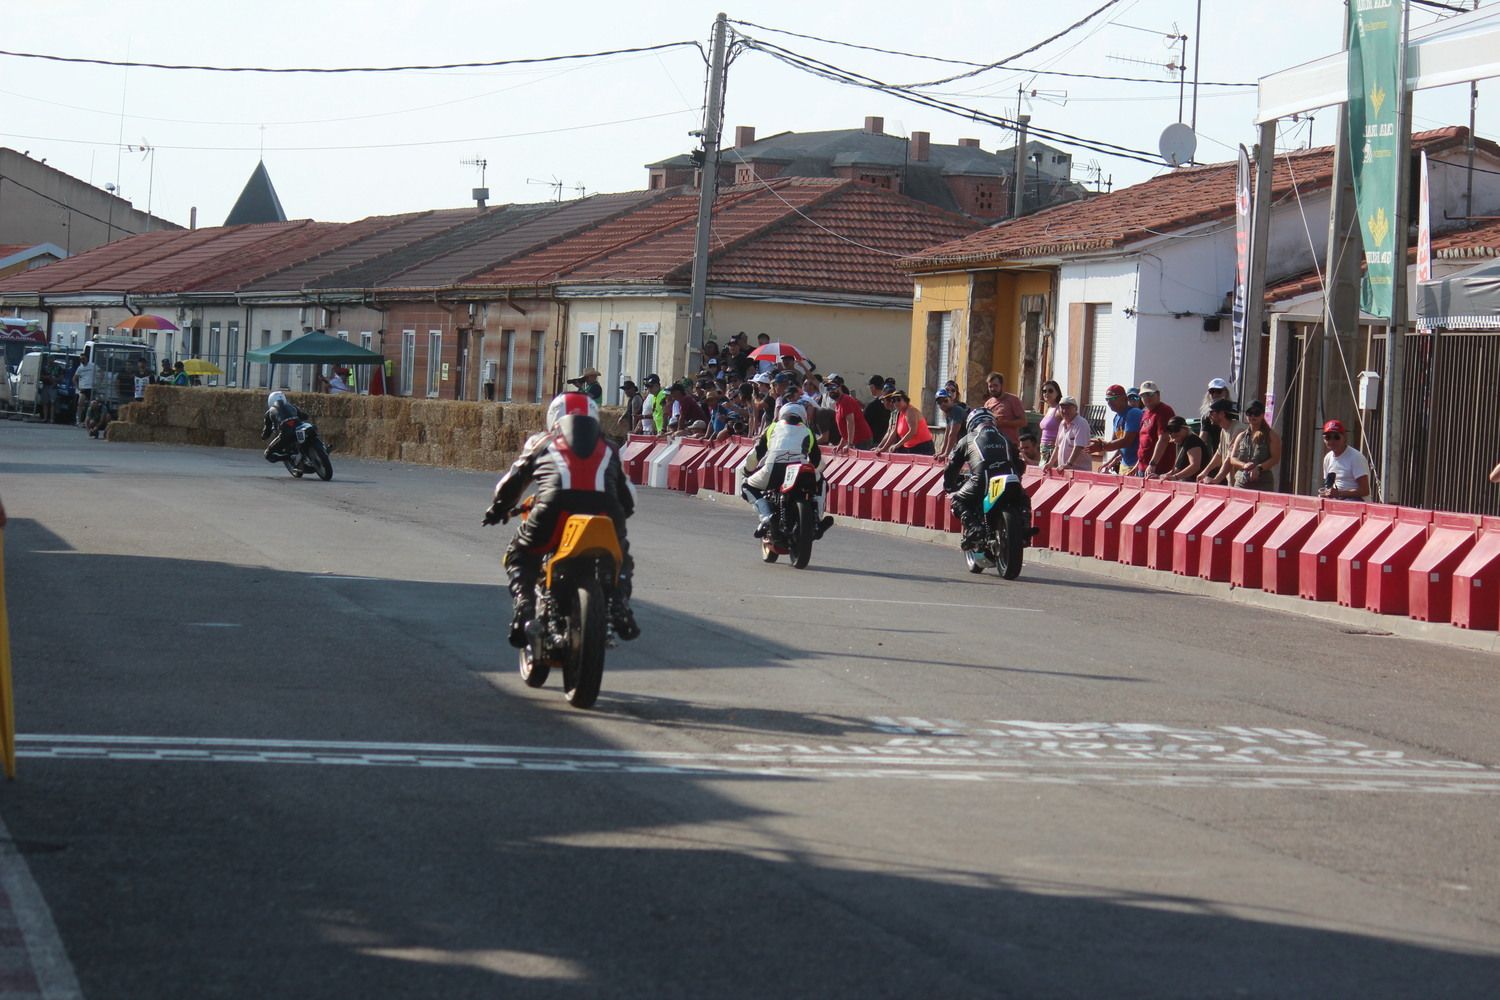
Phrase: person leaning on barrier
pixel 1127 433
pixel 1346 473
pixel 1221 415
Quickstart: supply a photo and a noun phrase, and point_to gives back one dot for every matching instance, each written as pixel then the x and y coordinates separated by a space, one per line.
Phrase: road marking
pixel 907 604
pixel 824 761
pixel 36 966
pixel 214 625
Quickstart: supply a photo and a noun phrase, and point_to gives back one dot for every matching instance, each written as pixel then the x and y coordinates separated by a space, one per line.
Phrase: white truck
pixel 114 360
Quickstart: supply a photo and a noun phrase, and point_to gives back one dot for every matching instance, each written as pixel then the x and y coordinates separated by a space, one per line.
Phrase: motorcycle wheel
pixel 584 671
pixel 1012 544
pixel 534 669
pixel 318 458
pixel 802 538
pixel 293 466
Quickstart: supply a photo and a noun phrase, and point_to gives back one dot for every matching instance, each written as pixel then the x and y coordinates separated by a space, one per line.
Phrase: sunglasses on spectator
pixel 1332 436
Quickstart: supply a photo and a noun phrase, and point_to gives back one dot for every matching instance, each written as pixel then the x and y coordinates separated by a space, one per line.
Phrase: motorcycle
pixel 1007 528
pixel 794 516
pixel 572 628
pixel 309 454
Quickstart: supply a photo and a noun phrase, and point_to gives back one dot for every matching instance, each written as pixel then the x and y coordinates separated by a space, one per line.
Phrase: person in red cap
pixel 1346 474
pixel 1127 433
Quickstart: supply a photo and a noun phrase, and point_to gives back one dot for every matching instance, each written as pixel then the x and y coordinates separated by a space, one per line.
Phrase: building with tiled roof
pixel 960 177
pixel 1135 284
pixel 18 257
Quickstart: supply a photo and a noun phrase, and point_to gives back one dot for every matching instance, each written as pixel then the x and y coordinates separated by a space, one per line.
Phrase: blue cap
pixel 943 394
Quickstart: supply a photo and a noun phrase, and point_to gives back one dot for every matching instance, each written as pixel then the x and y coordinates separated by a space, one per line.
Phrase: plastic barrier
pixel 1187 537
pixel 1084 515
pixel 859 488
pixel 1049 491
pixel 1386 587
pixel 1240 528
pixel 936 511
pixel 1318 569
pixel 1354 559
pixel 1159 534
pixel 912 508
pixel 1107 524
pixel 1281 569
pixel 840 487
pixel 700 473
pixel 656 464
pixel 1135 526
pixel 1058 514
pixel 1430 577
pixel 693 450
pixel 729 460
pixel 633 455
pixel 1476 581
pixel 882 498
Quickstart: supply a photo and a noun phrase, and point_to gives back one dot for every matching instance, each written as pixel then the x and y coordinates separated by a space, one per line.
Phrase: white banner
pixel 1242 262
pixel 1424 228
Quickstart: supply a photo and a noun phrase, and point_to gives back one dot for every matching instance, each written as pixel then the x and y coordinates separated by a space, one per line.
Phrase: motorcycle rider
pixel 279 410
pixel 787 440
pixel 986 452
pixel 576 471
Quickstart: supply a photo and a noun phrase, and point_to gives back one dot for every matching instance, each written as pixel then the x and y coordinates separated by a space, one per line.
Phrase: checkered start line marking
pixel 1136 758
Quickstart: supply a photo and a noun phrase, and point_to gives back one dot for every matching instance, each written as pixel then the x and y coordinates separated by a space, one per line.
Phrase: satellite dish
pixel 1178 143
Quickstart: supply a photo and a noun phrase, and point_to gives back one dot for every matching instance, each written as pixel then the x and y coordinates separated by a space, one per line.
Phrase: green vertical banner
pixel 1375 37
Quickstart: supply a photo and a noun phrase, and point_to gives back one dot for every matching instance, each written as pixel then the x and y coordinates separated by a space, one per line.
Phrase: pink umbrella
pixel 145 322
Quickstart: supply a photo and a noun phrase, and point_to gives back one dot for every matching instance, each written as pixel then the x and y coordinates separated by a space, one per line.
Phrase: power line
pixel 1024 52
pixel 125 63
pixel 382 145
pixel 828 71
pixel 970 62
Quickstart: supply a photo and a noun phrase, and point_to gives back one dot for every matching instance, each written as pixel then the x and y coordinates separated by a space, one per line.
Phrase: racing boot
pixel 973 530
pixel 522 573
pixel 763 508
pixel 622 618
pixel 823 526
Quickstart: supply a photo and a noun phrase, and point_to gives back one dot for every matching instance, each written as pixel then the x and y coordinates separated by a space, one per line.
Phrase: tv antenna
pixel 1174 39
pixel 1030 95
pixel 555 184
pixel 481 194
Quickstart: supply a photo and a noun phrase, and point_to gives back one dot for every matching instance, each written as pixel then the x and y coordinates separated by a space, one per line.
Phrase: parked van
pixel 29 383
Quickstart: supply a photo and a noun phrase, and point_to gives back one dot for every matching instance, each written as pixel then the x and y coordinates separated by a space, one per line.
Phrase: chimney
pixel 193 217
pixel 875 126
pixel 744 135
pixel 969 143
pixel 920 141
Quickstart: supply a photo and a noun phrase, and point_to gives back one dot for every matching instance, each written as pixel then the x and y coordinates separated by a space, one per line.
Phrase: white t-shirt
pixel 84 376
pixel 1347 468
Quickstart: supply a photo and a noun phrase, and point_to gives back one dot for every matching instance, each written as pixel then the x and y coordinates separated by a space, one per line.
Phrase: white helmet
pixel 571 404
pixel 275 399
pixel 792 413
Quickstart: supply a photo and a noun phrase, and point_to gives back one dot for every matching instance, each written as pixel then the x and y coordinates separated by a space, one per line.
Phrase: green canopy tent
pixel 316 348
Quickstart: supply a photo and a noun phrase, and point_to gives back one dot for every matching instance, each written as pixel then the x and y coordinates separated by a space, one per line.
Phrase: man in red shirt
pixel 1009 411
pixel 849 417
pixel 1157 452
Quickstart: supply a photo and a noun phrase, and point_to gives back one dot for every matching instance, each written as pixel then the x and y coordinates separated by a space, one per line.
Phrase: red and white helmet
pixel 571 404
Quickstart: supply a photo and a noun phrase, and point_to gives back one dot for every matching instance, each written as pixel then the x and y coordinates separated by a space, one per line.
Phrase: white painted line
pixel 214 625
pixel 905 604
pixel 44 948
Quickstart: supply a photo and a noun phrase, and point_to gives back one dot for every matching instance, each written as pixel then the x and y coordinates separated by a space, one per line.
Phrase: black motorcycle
pixel 1007 528
pixel 794 516
pixel 307 452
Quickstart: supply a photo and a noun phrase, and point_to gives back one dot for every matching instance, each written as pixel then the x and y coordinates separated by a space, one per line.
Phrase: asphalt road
pixel 273 744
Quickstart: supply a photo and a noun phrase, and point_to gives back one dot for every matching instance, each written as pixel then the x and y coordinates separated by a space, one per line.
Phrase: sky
pixel 344 146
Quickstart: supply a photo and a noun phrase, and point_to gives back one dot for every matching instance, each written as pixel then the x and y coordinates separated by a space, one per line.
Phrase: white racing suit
pixel 781 445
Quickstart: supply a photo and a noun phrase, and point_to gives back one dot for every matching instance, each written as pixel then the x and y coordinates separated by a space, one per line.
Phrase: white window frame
pixel 538 364
pixel 588 347
pixel 1101 352
pixel 434 362
pixel 614 364
pixel 265 368
pixel 366 338
pixel 232 353
pixel 645 351
pixel 408 361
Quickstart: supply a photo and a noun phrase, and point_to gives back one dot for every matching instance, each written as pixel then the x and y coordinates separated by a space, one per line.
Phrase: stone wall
pixel 464 435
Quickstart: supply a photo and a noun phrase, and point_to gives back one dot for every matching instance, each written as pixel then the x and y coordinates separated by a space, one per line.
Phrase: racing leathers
pixel 576 471
pixel 987 453
pixel 283 438
pixel 785 442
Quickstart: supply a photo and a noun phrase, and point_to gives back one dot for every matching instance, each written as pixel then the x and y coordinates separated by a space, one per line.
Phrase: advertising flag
pixel 1241 261
pixel 1375 93
pixel 1424 229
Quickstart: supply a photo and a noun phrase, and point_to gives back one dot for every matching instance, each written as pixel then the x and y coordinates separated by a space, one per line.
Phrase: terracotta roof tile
pixel 1478 241
pixel 383 235
pixel 97 269
pixel 1173 201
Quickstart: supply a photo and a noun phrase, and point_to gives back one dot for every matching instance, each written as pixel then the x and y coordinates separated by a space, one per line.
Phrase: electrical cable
pixel 74 210
pixel 970 62
pixel 489 64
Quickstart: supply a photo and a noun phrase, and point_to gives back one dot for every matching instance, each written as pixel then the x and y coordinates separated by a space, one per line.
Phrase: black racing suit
pixel 987 453
pixel 542 463
pixel 274 427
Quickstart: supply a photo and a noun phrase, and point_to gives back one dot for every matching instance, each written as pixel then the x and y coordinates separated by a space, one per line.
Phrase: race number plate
pixel 789 480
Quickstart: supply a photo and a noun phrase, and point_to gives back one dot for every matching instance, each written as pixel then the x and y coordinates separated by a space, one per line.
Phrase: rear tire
pixel 318 455
pixel 802 540
pixel 1012 543
pixel 586 640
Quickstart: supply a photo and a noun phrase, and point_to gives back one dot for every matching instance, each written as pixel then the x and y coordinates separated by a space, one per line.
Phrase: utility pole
pixel 1255 281
pixel 708 185
pixel 1019 201
pixel 1197 48
pixel 1393 388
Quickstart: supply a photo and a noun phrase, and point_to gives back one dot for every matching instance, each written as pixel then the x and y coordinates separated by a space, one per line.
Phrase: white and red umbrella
pixel 775 350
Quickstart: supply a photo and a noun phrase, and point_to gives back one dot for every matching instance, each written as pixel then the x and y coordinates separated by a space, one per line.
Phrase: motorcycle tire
pixel 583 674
pixel 534 669
pixel 292 466
pixel 802 538
pixel 318 458
pixel 767 553
pixel 1012 544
